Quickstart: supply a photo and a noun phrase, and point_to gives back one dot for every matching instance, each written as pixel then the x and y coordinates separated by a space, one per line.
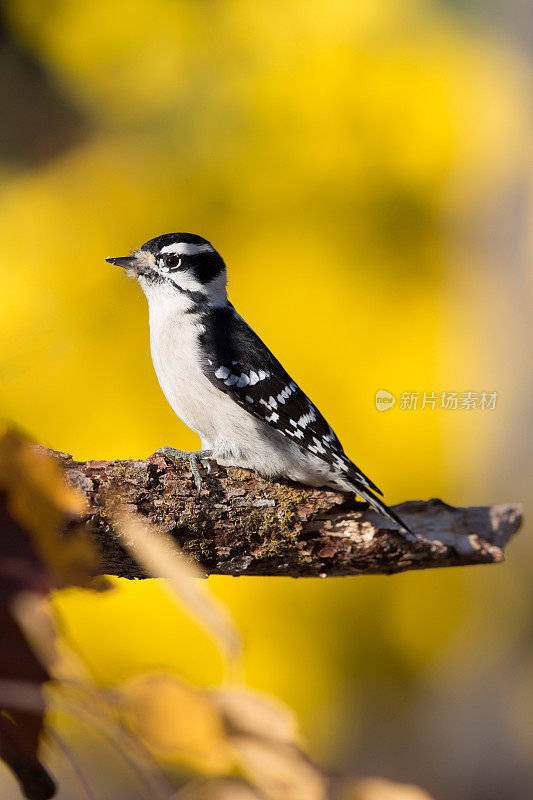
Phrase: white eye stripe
pixel 185 249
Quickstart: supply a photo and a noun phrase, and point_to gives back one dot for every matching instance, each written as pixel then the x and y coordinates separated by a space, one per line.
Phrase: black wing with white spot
pixel 243 367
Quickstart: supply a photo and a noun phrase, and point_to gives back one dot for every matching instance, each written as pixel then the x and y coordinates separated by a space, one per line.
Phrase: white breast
pixel 236 436
pixel 176 357
pixel 220 422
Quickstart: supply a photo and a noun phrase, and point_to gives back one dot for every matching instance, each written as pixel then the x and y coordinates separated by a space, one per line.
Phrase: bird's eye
pixel 171 262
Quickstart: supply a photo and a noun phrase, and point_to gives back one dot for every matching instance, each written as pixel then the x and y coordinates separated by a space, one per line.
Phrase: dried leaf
pixel 20 730
pixel 70 758
pixel 18 734
pixel 41 504
pixel 221 789
pixel 31 612
pixel 280 771
pixel 161 557
pixel 174 719
pixel 22 677
pixel 257 714
pixel 380 789
pixel 42 545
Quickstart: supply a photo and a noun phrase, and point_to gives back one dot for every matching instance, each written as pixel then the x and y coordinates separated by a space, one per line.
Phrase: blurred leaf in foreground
pixel 42 545
pixel 223 730
pixel 223 743
pixel 161 558
pixel 224 789
pixel 256 714
pixel 49 512
pixel 379 789
pixel 172 718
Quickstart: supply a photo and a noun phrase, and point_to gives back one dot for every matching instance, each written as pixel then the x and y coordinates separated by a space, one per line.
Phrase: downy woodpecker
pixel 223 381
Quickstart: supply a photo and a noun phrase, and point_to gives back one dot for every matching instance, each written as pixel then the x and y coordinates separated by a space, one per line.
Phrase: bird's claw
pixel 192 458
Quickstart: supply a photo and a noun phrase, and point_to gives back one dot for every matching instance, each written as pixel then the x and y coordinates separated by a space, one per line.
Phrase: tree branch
pixel 244 525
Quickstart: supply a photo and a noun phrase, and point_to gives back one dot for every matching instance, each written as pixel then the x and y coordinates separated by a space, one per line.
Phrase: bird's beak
pixel 126 262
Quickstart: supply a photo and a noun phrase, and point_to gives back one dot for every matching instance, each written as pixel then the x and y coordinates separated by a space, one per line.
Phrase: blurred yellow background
pixel 366 171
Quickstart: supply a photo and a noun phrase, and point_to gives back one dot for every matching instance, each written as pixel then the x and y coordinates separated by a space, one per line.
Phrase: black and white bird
pixel 223 381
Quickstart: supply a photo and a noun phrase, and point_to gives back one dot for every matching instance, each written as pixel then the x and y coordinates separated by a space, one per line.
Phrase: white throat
pixel 165 300
pixel 167 293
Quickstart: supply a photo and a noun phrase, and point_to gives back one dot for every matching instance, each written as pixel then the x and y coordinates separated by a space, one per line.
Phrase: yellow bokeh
pixel 359 166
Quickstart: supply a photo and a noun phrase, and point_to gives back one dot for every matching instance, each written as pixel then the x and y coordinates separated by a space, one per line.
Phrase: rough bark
pixel 242 524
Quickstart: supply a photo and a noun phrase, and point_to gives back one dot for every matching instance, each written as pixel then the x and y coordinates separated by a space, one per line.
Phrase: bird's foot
pixel 192 458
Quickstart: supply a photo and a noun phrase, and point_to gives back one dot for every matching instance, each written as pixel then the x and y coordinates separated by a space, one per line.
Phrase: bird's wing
pixel 243 367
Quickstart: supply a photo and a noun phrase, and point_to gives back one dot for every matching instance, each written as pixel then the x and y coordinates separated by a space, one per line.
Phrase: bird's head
pixel 180 262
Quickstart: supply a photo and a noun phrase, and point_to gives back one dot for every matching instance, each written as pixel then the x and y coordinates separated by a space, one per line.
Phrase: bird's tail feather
pixel 379 506
pixel 359 478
